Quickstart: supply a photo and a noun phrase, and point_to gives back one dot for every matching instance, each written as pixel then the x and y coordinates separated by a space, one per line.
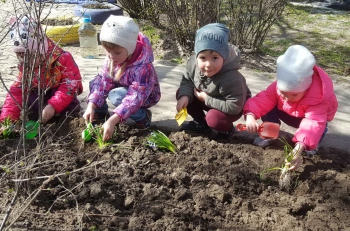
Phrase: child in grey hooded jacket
pixel 212 83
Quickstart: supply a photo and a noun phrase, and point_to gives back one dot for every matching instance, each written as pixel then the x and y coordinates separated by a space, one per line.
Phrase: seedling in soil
pixel 7 127
pixel 98 132
pixel 158 139
pixel 285 177
pixel 95 133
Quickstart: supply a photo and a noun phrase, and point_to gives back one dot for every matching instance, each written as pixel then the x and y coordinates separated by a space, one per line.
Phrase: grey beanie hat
pixel 213 36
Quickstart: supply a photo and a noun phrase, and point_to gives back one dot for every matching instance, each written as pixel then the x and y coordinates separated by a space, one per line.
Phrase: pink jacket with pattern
pixel 318 106
pixel 139 76
pixel 63 74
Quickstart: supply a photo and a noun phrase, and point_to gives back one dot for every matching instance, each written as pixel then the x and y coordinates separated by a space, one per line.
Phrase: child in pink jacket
pixel 302 97
pixel 53 70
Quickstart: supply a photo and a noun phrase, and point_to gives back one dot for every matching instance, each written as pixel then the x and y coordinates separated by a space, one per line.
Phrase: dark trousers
pixel 216 119
pixel 33 102
pixel 276 116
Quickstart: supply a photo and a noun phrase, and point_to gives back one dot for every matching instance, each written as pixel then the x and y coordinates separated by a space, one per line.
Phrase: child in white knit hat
pixel 302 97
pixel 128 77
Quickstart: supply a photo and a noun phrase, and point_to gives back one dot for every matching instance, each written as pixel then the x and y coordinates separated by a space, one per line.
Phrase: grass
pixel 324 32
pixel 177 60
pixel 151 32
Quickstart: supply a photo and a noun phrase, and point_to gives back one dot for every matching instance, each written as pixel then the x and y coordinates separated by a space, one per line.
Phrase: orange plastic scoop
pixel 267 130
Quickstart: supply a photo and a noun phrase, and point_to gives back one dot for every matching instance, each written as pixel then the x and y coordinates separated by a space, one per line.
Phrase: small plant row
pixel 156 139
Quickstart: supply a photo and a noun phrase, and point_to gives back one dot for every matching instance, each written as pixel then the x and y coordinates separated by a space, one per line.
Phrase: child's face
pixel 30 59
pixel 292 96
pixel 209 62
pixel 118 54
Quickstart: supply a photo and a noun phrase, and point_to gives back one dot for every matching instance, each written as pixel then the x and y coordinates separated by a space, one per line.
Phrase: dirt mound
pixel 206 185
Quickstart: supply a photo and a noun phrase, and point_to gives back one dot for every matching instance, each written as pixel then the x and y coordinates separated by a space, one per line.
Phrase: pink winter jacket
pixel 63 74
pixel 318 106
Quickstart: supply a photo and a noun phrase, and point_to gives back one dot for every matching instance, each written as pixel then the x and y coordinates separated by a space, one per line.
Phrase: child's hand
pixel 251 124
pixel 200 95
pixel 48 113
pixel 109 126
pixel 89 113
pixel 295 163
pixel 182 103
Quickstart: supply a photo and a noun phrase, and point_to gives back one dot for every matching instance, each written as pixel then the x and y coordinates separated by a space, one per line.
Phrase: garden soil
pixel 207 184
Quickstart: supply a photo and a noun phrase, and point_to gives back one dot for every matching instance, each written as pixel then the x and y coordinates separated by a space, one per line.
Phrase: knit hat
pixel 121 31
pixel 214 37
pixel 26 35
pixel 295 69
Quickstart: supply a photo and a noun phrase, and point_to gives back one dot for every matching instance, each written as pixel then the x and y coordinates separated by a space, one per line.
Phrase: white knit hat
pixel 25 35
pixel 295 69
pixel 121 31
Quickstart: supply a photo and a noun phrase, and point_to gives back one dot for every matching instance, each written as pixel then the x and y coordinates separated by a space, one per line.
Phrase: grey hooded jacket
pixel 227 90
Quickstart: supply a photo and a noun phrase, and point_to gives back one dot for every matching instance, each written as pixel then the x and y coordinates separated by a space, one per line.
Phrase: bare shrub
pixel 141 9
pixel 249 21
pixel 24 159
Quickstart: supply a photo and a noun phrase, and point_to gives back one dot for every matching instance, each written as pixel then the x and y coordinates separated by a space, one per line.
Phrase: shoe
pixel 146 122
pixel 225 135
pixel 311 152
pixel 263 142
pixel 198 126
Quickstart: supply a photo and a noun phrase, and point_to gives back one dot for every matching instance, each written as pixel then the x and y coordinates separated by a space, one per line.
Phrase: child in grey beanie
pixel 214 37
pixel 213 84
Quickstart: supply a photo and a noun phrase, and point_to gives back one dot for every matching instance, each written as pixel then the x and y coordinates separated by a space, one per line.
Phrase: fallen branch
pixel 35 195
pixel 60 174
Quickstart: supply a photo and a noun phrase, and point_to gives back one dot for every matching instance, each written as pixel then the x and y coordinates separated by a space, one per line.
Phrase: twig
pixel 60 174
pixel 9 210
pixel 35 195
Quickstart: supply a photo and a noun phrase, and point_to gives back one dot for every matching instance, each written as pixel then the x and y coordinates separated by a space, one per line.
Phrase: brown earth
pixel 206 185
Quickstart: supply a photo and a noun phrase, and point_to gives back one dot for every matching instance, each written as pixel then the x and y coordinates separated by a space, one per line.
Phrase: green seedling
pixel 158 139
pixel 32 129
pixel 285 177
pixel 86 135
pixel 98 133
pixel 7 127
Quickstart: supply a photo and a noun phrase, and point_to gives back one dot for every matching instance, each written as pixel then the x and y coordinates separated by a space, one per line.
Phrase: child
pixel 39 57
pixel 128 76
pixel 302 97
pixel 213 83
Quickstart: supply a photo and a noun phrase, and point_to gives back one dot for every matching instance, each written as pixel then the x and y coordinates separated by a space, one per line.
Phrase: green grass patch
pixel 324 32
pixel 177 60
pixel 151 32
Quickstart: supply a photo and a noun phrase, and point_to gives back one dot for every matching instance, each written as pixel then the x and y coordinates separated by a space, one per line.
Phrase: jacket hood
pixel 233 60
pixel 322 88
pixel 143 51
